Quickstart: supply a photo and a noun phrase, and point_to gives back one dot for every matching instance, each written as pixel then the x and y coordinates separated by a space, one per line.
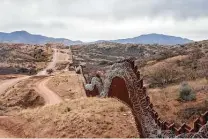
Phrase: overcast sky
pixel 90 20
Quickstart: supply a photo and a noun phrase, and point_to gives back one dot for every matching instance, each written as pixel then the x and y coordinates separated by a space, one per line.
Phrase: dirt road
pixel 49 96
pixel 51 65
pixel 9 83
pixel 41 87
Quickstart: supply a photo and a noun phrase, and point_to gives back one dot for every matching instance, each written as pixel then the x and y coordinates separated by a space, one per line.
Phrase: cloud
pixel 178 9
pixel 106 19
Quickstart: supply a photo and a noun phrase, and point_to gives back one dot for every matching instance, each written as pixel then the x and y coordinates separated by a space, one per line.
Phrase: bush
pixel 32 71
pixel 186 93
pixel 164 74
pixel 49 71
pixel 39 55
pixel 103 62
pixel 164 54
pixel 22 70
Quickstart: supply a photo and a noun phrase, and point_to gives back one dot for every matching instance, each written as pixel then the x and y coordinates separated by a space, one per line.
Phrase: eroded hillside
pixel 54 104
pixel 164 68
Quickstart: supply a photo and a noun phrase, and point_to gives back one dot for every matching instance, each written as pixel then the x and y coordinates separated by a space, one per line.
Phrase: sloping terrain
pixel 97 56
pixel 67 85
pixel 23 59
pixel 87 117
pixel 164 69
pixel 153 39
pixel 21 96
pixel 73 116
pixel 25 37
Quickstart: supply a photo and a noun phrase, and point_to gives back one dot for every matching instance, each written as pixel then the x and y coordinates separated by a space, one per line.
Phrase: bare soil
pixel 21 96
pixel 68 85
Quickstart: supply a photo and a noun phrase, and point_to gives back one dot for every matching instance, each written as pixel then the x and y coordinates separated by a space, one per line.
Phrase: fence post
pixel 148 100
pixel 140 83
pixel 138 75
pixel 205 117
pixel 196 125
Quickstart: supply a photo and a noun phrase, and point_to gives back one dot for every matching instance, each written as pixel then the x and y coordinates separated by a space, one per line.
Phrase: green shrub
pixel 186 93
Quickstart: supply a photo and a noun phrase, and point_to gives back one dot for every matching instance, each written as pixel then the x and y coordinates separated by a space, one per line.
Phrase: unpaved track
pixel 49 96
pixel 41 87
pixel 9 83
pixel 51 65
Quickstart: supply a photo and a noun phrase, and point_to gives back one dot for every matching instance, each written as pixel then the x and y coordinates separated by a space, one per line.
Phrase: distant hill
pixel 25 37
pixel 152 39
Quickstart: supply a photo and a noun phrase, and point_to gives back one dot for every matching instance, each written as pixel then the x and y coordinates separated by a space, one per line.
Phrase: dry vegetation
pixel 67 85
pixel 21 96
pixel 97 56
pixel 77 116
pixel 87 117
pixel 164 69
pixel 23 58
pixel 165 78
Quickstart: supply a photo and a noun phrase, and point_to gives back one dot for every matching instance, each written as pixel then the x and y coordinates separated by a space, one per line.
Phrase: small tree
pixel 186 93
pixel 49 71
pixel 164 74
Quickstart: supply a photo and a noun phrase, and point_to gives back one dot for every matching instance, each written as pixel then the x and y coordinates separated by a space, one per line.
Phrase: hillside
pixel 164 70
pixel 98 55
pixel 22 113
pixel 153 39
pixel 23 58
pixel 27 38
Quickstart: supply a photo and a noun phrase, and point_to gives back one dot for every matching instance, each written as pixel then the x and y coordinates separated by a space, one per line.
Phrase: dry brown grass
pixel 14 57
pixel 21 96
pixel 62 65
pixel 85 117
pixel 67 85
pixel 154 63
pixel 163 73
pixel 166 103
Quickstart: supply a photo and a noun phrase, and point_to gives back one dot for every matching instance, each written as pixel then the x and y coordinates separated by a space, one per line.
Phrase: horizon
pixel 106 19
pixel 95 40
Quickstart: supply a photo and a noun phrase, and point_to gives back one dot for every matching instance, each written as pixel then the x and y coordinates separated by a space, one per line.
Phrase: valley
pixel 54 101
pixel 103 69
pixel 63 91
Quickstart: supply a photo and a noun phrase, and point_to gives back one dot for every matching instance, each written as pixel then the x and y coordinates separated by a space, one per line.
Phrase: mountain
pixel 153 39
pixel 25 37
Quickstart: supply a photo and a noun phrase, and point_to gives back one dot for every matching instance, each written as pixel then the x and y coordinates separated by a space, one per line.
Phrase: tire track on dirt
pixel 49 96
